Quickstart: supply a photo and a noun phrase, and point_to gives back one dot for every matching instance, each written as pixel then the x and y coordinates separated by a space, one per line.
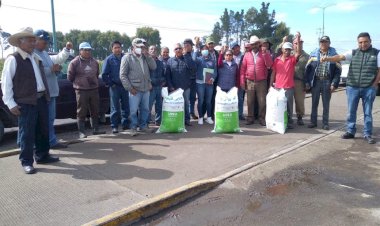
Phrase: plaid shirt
pixel 322 70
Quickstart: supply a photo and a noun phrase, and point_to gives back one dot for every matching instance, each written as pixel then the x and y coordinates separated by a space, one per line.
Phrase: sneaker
pixel 326 127
pixel 348 135
pixel 209 120
pixel 193 116
pixel 311 125
pixel 133 132
pixel 369 139
pixel 114 130
pixel 200 121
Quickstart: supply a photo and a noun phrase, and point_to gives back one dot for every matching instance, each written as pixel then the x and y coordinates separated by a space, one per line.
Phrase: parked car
pixel 65 102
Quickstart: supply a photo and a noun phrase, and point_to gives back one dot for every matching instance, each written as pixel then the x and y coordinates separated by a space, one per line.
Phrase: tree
pixel 152 36
pixel 217 33
pixel 226 24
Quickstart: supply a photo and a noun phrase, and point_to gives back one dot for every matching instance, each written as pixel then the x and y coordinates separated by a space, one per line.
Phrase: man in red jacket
pixel 253 78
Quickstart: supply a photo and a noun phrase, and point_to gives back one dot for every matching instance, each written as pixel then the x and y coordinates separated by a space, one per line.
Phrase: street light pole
pixel 53 22
pixel 323 16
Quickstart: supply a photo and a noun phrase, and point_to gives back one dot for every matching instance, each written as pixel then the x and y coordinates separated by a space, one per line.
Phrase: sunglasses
pixel 177 49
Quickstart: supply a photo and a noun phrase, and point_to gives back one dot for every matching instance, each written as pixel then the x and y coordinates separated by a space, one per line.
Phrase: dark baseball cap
pixel 324 39
pixel 188 41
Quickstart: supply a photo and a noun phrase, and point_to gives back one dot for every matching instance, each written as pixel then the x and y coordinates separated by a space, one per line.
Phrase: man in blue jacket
pixel 322 77
pixel 179 71
pixel 119 96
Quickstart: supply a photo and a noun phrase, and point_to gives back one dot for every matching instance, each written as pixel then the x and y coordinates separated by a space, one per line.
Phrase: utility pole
pixel 323 16
pixel 53 22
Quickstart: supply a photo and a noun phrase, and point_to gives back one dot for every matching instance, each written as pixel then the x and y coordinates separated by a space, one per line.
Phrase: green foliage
pixel 239 25
pixel 152 36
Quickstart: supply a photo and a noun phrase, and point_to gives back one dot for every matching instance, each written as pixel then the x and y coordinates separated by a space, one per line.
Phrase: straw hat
pixel 25 32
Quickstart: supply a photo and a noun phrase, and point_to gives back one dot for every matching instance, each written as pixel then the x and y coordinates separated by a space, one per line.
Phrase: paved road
pixel 328 182
pixel 108 173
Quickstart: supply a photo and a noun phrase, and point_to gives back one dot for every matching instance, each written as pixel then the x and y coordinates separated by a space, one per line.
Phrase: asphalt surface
pixel 327 182
pixel 103 178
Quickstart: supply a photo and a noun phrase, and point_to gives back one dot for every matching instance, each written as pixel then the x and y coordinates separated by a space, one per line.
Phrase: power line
pixel 134 23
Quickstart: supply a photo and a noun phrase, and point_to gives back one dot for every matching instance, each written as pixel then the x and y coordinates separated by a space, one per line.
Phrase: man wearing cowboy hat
pixel 26 93
pixel 253 78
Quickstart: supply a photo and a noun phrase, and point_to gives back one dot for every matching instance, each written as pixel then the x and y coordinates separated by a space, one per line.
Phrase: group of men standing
pixel 135 79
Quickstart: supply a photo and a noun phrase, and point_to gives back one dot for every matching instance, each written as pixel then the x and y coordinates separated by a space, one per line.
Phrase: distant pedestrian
pixel 135 77
pixel 83 72
pixel 26 93
pixel 119 97
pixel 178 75
pixel 362 82
pixel 322 77
pixel 283 74
pixel 253 78
pixel 158 80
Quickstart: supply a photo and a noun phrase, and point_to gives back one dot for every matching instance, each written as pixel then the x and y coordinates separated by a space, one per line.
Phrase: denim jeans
pixel 241 94
pixel 193 95
pixel 368 97
pixel 33 124
pixel 140 103
pixel 119 106
pixel 321 87
pixel 156 98
pixel 52 109
pixel 186 97
pixel 204 92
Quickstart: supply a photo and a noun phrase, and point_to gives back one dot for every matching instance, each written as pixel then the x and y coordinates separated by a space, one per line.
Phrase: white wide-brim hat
pixel 25 32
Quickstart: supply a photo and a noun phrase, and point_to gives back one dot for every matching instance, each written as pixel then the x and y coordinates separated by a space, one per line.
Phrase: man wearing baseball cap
pixel 135 76
pixel 83 72
pixel 26 93
pixel 322 78
pixel 283 74
pixel 52 66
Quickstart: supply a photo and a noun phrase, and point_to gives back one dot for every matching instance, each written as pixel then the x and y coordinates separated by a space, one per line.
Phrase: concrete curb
pixel 4 154
pixel 171 198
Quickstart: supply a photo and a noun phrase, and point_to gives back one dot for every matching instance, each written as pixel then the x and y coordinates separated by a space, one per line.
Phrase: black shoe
pixel 29 169
pixel 369 139
pixel 98 132
pixel 348 135
pixel 241 118
pixel 262 123
pixel 124 127
pixel 187 123
pixel 58 146
pixel 300 122
pixel 193 116
pixel 47 159
pixel 114 130
pixel 311 125
pixel 290 126
pixel 326 127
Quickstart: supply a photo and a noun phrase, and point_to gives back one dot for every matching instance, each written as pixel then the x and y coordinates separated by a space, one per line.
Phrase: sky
pixel 177 20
